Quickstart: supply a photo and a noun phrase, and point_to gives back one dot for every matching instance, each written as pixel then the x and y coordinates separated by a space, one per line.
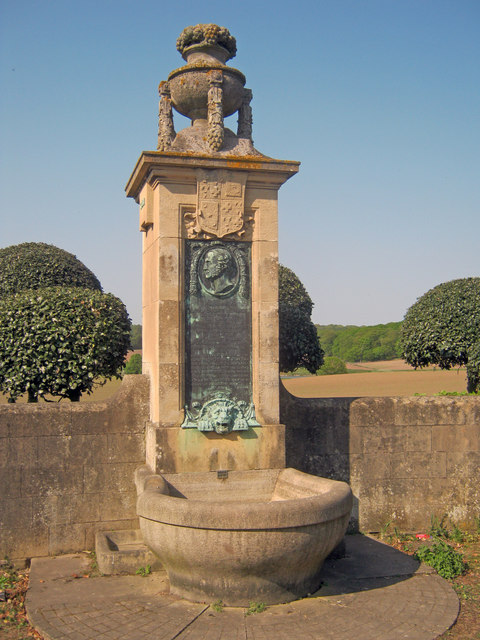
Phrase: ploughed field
pixel 386 378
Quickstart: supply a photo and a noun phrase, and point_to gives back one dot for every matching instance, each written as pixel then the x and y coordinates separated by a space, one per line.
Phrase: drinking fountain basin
pixel 242 536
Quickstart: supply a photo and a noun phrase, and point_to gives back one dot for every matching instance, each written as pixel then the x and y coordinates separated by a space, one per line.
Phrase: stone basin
pixel 242 536
pixel 189 88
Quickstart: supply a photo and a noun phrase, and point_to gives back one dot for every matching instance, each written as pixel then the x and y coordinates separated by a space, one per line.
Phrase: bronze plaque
pixel 218 336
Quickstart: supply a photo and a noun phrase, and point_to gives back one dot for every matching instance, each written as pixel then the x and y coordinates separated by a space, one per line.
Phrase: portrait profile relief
pixel 218 271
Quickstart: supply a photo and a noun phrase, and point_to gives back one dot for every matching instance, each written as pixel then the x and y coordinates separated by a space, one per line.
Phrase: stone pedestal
pixel 188 203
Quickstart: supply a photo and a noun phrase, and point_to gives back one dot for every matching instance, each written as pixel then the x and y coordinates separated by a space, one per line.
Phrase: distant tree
pixel 134 364
pixel 361 344
pixel 443 328
pixel 332 366
pixel 35 265
pixel 298 339
pixel 136 337
pixel 61 341
pixel 327 335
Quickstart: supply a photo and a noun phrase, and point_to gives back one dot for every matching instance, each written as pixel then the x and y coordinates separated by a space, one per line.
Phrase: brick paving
pixel 374 593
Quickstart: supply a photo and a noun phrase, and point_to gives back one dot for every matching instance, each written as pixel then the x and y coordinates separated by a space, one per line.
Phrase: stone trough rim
pixel 334 501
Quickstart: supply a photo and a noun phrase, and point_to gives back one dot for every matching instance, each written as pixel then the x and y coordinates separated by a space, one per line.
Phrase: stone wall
pixel 406 459
pixel 66 470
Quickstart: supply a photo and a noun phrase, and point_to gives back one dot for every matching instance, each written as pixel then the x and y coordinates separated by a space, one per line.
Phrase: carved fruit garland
pixel 166 130
pixel 215 111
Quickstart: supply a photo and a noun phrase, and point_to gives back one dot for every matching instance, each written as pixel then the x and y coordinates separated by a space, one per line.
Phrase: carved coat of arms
pixel 220 202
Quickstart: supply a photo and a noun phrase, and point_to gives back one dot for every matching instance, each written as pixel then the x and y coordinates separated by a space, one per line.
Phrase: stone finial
pixel 245 119
pixel 207 34
pixel 215 111
pixel 166 130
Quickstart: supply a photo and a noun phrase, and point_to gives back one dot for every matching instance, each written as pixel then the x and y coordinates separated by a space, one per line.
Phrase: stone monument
pixel 208 212
pixel 216 504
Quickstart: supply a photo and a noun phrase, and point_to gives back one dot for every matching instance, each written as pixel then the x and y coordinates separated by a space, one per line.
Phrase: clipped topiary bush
pixel 298 339
pixel 36 265
pixel 443 327
pixel 60 341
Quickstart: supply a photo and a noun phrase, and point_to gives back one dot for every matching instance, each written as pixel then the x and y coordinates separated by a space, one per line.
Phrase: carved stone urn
pixel 206 90
pixel 205 69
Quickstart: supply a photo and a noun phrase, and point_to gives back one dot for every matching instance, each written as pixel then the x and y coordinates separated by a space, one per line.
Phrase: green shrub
pixel 473 368
pixel 447 562
pixel 61 341
pixel 438 527
pixel 332 366
pixel 298 339
pixel 134 364
pixel 36 265
pixel 255 607
pixel 443 327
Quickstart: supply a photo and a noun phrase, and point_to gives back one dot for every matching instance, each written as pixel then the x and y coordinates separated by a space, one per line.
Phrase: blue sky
pixel 378 99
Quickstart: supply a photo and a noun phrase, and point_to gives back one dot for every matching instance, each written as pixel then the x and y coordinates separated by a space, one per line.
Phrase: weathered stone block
pixel 58 479
pixel 456 437
pixel 66 538
pixel 303 444
pixel 125 447
pixel 367 467
pixel 15 513
pixel 112 477
pixel 266 219
pixel 169 265
pixel 265 394
pixel 72 449
pixel 169 321
pixel 25 420
pixel 67 509
pixel 391 438
pixel 94 421
pixel 3 426
pixel 418 465
pixel 265 272
pixel 19 452
pixel 380 502
pixel 355 439
pixel 268 333
pixel 333 466
pixel 417 438
pixel 24 542
pixel 384 438
pixel 372 412
pixel 169 376
pixel 112 505
pixel 175 450
pixel 465 464
pixel 429 411
pixel 472 411
pixel 10 482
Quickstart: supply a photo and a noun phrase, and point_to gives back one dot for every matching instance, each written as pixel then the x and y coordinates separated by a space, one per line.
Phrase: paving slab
pixel 373 593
